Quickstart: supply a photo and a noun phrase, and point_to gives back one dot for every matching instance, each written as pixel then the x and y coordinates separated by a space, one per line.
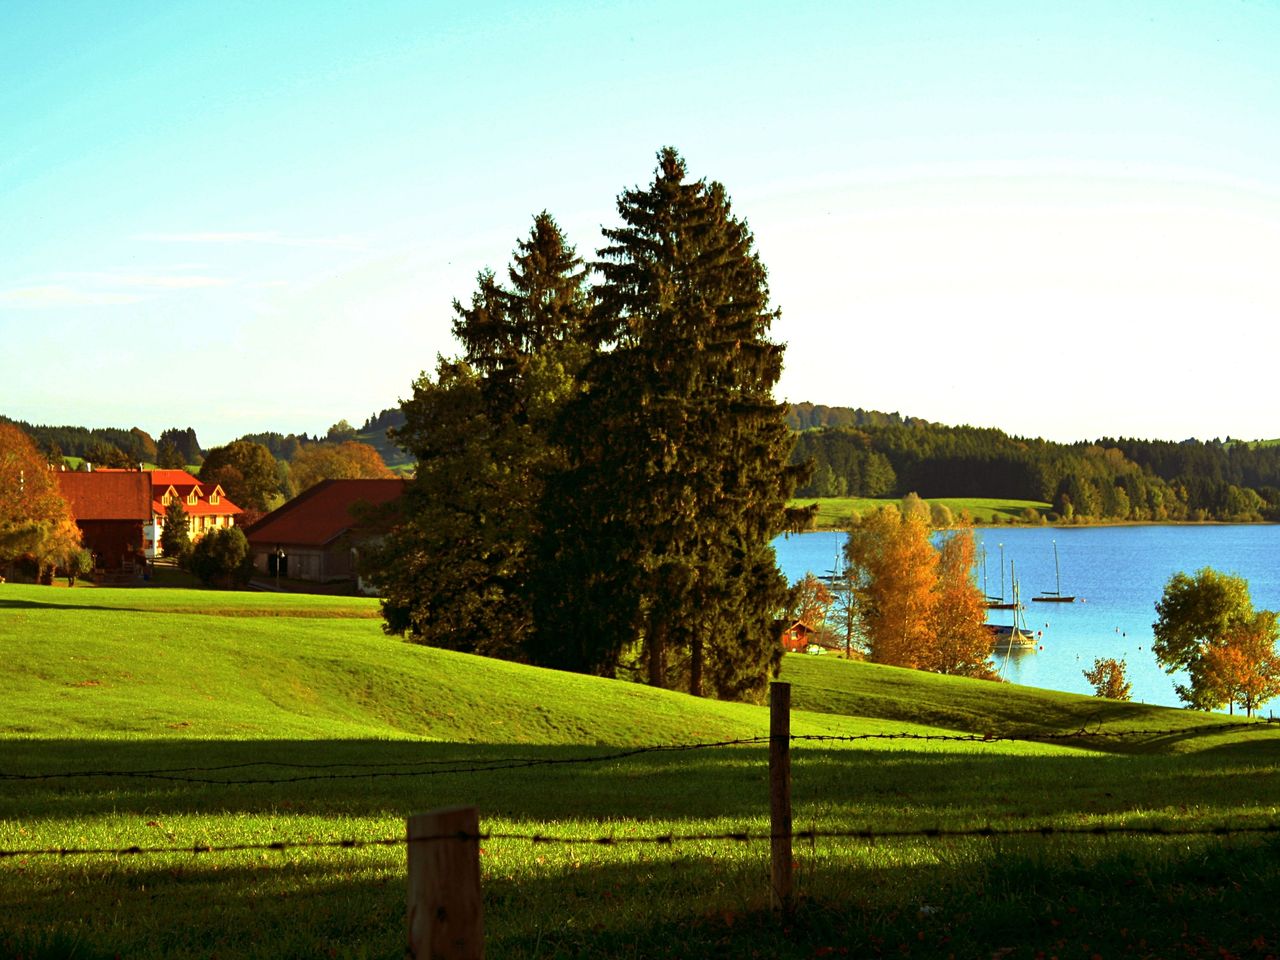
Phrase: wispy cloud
pixel 56 295
pixel 106 288
pixel 263 237
pixel 155 281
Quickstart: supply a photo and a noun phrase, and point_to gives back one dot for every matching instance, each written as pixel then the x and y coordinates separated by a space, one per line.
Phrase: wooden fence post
pixel 780 793
pixel 445 915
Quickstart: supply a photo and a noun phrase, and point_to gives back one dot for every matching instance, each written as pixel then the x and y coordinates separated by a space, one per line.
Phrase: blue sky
pixel 1062 220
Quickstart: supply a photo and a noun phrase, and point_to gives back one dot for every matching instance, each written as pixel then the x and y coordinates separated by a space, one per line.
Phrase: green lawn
pixel 284 687
pixel 835 513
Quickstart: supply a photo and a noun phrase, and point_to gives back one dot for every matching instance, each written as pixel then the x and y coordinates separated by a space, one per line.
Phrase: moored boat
pixel 1054 596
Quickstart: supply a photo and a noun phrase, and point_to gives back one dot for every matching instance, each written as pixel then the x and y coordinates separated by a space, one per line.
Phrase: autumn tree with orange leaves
pixel 961 641
pixel 348 460
pixel 811 599
pixel 1244 668
pixel 35 519
pixel 918 605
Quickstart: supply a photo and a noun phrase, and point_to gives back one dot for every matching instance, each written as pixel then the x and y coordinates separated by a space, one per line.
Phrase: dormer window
pixel 191 498
pixel 214 498
pixel 166 499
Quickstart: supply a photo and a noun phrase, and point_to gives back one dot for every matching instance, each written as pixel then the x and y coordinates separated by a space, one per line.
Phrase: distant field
pixel 835 513
pixel 225 687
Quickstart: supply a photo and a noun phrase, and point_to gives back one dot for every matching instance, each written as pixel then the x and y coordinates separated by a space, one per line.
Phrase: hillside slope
pixel 150 663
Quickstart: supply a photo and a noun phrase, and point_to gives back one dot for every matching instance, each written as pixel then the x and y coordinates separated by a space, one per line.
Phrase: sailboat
pixel 995 603
pixel 1013 636
pixel 1054 596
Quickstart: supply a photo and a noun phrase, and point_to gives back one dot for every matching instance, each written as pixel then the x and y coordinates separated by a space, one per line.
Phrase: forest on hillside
pixel 1107 479
pixel 868 453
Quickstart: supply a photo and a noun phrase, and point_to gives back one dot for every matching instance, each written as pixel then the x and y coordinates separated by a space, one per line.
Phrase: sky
pixel 1058 219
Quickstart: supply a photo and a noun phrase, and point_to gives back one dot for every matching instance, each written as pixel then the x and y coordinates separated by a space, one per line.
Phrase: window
pixel 166 499
pixel 214 498
pixel 191 498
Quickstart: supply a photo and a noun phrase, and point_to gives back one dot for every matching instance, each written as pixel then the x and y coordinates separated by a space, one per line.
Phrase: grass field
pixel 235 688
pixel 835 513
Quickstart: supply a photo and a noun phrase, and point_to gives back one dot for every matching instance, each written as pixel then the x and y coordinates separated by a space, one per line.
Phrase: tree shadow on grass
pixel 390 780
pixel 11 604
pixel 967 899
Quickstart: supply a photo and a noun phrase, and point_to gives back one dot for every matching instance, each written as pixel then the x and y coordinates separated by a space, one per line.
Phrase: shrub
pixel 222 558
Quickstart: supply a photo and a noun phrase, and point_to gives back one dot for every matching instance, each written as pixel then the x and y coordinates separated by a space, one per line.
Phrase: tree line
pixel 1108 479
pixel 258 472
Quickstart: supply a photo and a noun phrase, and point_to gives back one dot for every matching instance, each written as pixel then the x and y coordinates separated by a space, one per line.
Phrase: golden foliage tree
pixel 348 460
pixel 918 605
pixel 1108 679
pixel 894 568
pixel 961 641
pixel 1244 667
pixel 35 519
pixel 811 599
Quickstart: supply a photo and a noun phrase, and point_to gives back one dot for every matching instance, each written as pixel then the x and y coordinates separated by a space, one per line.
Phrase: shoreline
pixel 1084 526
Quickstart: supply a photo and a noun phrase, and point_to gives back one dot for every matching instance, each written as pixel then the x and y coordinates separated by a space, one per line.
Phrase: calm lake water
pixel 1120 573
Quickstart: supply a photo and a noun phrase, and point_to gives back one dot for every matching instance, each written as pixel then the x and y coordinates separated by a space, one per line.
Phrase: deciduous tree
pixel 917 605
pixel 246 471
pixel 1244 667
pixel 1196 613
pixel 35 519
pixel 961 642
pixel 895 572
pixel 1108 679
pixel 222 558
pixel 811 600
pixel 348 460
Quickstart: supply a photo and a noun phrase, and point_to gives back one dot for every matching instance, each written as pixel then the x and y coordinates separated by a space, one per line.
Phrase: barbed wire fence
pixel 443 846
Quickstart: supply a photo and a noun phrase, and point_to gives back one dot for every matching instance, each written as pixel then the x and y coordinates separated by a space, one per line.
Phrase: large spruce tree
pixel 678 476
pixel 455 571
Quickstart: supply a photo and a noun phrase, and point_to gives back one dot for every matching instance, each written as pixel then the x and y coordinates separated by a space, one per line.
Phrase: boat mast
pixel 1057 574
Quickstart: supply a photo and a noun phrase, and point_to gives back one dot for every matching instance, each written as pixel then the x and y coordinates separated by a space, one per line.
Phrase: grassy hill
pixel 834 513
pixel 173 707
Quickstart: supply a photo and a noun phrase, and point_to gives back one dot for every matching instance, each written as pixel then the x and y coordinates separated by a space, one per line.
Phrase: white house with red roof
pixel 206 506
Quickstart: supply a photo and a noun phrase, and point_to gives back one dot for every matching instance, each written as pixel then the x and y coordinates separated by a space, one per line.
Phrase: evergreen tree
pixel 678 476
pixel 168 457
pixel 455 572
pixel 175 538
pixel 187 444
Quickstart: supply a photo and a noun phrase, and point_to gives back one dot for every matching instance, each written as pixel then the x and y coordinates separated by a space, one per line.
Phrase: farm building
pixel 121 513
pixel 112 509
pixel 317 535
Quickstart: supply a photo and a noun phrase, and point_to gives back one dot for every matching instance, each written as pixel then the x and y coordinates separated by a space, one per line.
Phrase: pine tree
pixel 175 537
pixel 455 572
pixel 678 474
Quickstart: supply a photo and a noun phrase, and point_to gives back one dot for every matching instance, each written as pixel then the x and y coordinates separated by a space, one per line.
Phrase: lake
pixel 1119 572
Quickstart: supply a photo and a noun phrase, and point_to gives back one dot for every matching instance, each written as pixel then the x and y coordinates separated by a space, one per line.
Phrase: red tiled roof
pixel 113 495
pixel 182 483
pixel 201 508
pixel 321 514
pixel 174 478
